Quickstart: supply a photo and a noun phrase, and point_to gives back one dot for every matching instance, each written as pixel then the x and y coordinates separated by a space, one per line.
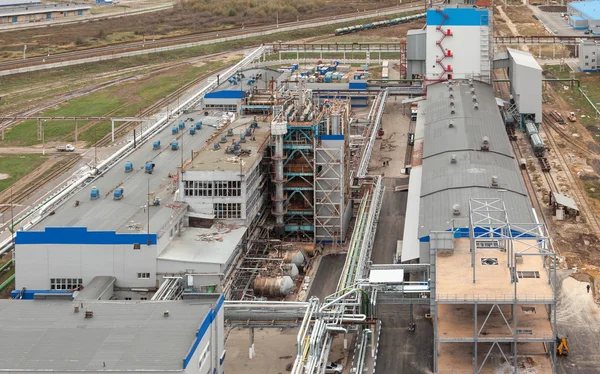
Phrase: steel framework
pixel 488 223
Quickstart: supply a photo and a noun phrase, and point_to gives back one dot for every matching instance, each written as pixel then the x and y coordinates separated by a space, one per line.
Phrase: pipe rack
pixel 164 120
pixel 379 105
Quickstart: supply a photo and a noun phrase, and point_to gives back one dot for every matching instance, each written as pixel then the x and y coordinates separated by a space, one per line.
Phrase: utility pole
pixel 148 209
pixel 12 217
pixel 24 51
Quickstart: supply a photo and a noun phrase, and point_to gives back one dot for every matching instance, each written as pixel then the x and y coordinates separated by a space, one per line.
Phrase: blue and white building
pixel 61 336
pixel 584 15
pixel 458 44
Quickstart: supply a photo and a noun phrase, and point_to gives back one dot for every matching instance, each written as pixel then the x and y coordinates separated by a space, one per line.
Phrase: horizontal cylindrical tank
pixel 294 257
pixel 290 270
pixel 277 286
pixel 308 248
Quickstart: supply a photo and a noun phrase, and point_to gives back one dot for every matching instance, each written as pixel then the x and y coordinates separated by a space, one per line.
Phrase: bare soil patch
pixel 553 8
pixel 4 176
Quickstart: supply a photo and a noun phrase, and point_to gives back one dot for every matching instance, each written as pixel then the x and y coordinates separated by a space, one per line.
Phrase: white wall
pixel 526 87
pixel 465 47
pixel 37 263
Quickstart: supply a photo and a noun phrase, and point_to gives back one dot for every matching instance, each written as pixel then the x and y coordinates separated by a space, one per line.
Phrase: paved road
pixel 391 222
pixel 556 24
pixel 328 276
pixel 401 351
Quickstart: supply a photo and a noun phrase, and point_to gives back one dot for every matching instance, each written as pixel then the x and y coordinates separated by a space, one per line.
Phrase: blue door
pixel 14 19
pixel 80 12
pixel 48 15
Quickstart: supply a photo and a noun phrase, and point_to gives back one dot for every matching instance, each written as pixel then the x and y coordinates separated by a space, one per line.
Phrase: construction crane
pixel 562 348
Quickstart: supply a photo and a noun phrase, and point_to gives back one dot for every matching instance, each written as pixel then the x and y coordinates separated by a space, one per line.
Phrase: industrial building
pixel 119 336
pixel 41 12
pixel 589 51
pixel 458 44
pixel 584 15
pixel 475 218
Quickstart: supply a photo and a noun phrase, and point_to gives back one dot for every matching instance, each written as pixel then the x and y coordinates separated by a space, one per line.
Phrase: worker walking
pixel 588 288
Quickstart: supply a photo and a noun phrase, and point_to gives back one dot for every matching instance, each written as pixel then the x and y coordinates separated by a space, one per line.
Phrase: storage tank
pixel 276 286
pixel 294 257
pixel 290 270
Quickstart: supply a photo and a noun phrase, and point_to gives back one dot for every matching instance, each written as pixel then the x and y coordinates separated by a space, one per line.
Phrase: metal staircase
pixel 484 48
pixel 446 69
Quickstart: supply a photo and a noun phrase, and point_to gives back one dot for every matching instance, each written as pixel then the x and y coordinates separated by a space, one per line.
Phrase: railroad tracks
pixel 191 38
pixel 575 189
pixel 63 165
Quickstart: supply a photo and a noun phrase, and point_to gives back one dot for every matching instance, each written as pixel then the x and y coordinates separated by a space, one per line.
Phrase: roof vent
pixel 452 111
pixel 451 124
pixel 76 309
pixel 485 146
pixel 472 90
pixel 89 314
pixel 451 96
pixel 166 313
pixel 451 103
pixel 453 159
pixel 450 89
pixel 495 181
pixel 474 97
pixel 476 106
pixel 456 209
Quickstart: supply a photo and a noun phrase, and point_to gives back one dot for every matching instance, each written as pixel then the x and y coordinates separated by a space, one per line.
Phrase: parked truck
pixel 65 148
pixel 118 194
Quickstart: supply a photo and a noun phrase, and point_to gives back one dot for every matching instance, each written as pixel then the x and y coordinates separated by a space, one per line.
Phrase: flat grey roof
pixel 97 287
pixel 565 200
pixel 132 217
pixel 210 159
pixel 198 245
pixel 444 183
pixel 44 8
pixel 124 335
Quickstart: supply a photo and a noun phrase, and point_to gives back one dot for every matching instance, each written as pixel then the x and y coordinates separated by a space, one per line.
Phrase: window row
pixel 65 283
pixel 210 188
pixel 229 210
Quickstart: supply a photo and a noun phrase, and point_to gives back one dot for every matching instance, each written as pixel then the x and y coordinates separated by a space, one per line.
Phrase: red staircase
pixel 446 69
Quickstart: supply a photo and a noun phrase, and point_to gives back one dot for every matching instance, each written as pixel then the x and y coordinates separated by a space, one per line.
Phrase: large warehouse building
pixel 61 336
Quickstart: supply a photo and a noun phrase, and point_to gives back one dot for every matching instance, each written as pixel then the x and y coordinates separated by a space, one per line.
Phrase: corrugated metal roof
pixel 445 184
pixel 48 335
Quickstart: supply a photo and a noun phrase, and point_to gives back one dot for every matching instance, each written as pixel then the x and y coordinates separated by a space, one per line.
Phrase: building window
pixel 137 246
pixel 228 188
pixel 198 188
pixel 65 14
pixel 586 57
pixel 48 15
pixel 230 210
pixel 593 60
pixel 144 298
pixel 80 12
pixel 128 298
pixel 14 19
pixel 65 283
pixel 143 275
pixel 204 356
pixel 586 64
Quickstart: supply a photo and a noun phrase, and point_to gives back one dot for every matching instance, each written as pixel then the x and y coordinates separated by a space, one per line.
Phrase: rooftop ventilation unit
pixel 453 159
pixel 451 96
pixel 485 146
pixel 89 314
pixel 451 124
pixel 450 89
pixel 456 210
pixel 495 181
pixel 474 97
pixel 452 111
pixel 476 106
pixel 451 103
pixel 472 90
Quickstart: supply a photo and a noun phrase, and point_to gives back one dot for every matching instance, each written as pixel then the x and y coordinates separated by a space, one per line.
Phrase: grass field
pixel 17 166
pixel 186 17
pixel 124 100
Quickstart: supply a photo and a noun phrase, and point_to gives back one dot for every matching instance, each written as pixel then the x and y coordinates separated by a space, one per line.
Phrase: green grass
pixel 119 101
pixel 108 9
pixel 592 188
pixel 18 166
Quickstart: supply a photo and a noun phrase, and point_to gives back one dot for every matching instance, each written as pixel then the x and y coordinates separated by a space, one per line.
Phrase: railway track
pixel 24 193
pixel 169 41
pixel 578 196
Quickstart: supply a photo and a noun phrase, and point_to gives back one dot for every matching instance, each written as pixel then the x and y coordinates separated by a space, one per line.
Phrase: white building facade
pixel 458 44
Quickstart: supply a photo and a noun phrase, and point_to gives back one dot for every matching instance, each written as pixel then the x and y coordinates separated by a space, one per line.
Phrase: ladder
pixel 484 48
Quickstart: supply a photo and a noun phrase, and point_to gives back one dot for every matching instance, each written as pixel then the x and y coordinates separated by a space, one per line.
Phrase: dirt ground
pixel 384 34
pixel 185 18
